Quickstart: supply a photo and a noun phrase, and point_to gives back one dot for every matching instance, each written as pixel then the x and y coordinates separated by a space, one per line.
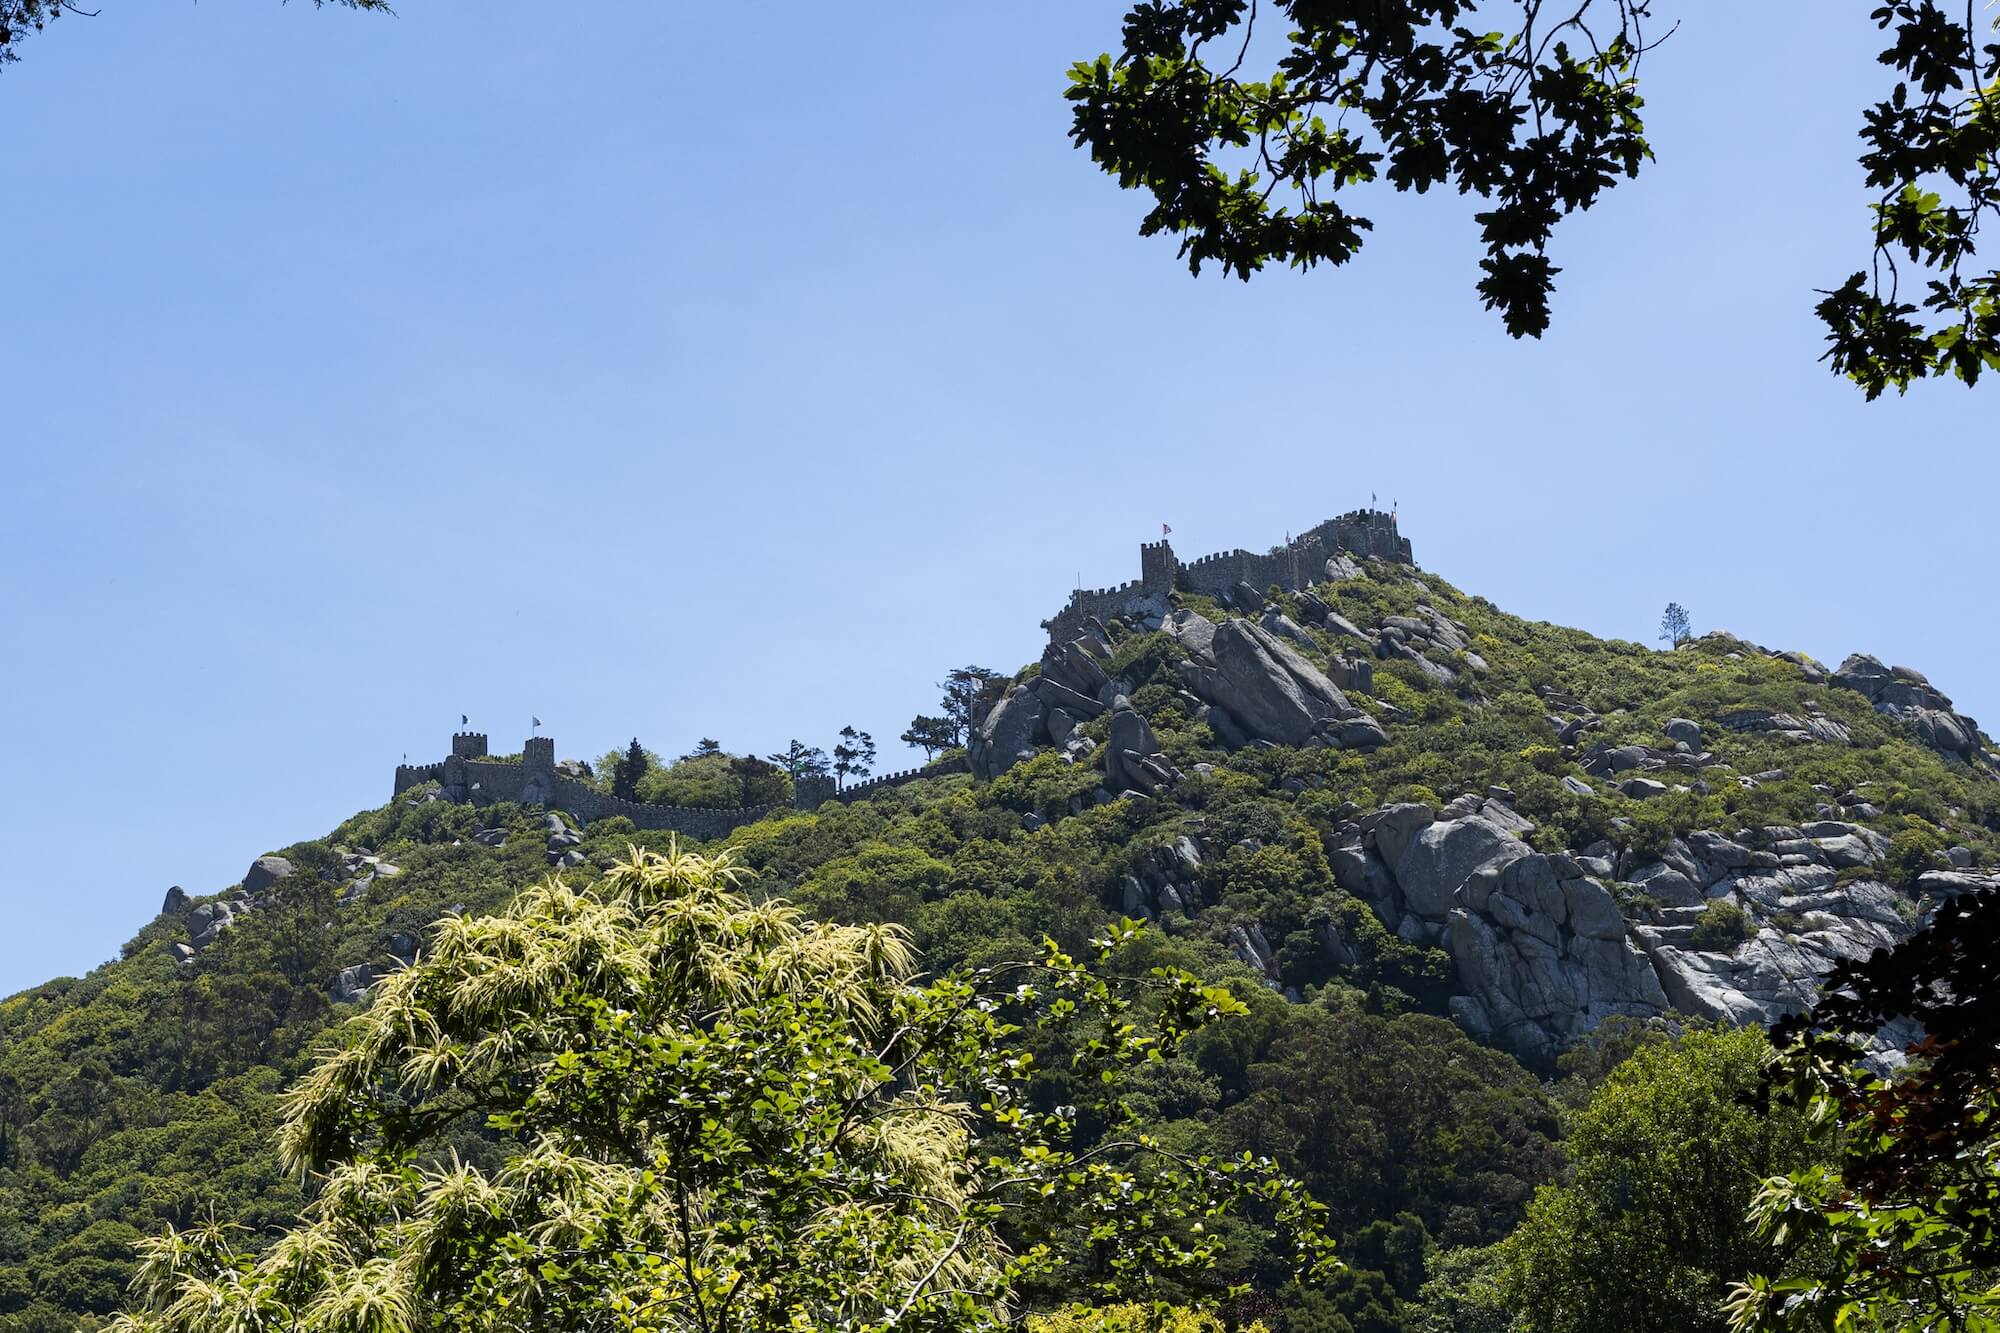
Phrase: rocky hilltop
pixel 1440 850
pixel 1547 935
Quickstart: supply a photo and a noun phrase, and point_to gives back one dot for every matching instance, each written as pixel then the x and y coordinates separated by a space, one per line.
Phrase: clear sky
pixel 734 371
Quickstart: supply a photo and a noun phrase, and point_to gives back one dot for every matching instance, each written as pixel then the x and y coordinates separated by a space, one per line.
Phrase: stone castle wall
pixel 468 776
pixel 1368 533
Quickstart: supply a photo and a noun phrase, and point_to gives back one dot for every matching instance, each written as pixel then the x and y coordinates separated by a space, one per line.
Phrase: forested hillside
pixel 1460 866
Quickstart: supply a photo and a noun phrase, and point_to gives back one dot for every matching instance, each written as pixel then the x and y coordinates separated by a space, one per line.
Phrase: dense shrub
pixel 1721 926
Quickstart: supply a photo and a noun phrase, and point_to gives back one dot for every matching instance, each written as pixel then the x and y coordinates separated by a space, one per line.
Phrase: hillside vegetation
pixel 1794 822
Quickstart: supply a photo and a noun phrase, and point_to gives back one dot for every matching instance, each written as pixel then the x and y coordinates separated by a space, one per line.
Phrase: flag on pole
pixel 1166 531
pixel 463 719
pixel 537 721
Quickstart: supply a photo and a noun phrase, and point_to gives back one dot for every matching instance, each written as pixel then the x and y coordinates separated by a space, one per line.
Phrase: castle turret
pixel 469 744
pixel 1157 566
pixel 539 752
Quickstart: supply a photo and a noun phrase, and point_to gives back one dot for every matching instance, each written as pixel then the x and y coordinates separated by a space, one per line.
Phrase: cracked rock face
pixel 1267 688
pixel 1906 695
pixel 1544 953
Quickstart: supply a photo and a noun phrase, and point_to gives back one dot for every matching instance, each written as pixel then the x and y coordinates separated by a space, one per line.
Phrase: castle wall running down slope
pixel 1368 533
pixel 471 778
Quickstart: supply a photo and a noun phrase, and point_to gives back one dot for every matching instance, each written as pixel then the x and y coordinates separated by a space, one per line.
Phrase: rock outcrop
pixel 1544 953
pixel 1904 694
pixel 266 878
pixel 1265 688
pixel 1132 758
pixel 1247 681
pixel 264 872
pixel 1541 950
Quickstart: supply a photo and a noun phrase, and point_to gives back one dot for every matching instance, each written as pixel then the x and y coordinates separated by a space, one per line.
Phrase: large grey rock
pixel 1282 625
pixel 1267 687
pixel 1944 731
pixel 1905 694
pixel 1593 912
pixel 1131 755
pixel 1253 950
pixel 1060 725
pixel 1358 733
pixel 264 872
pixel 1394 826
pixel 176 901
pixel 1195 633
pixel 1346 628
pixel 1008 735
pixel 1684 730
pixel 1246 598
pixel 1669 886
pixel 1442 856
pixel 1055 694
pixel 1533 986
pixel 1951 883
pixel 1625 758
pixel 1352 672
pixel 1362 873
pixel 208 920
pixel 1507 817
pixel 350 985
pixel 1226 728
pixel 1074 666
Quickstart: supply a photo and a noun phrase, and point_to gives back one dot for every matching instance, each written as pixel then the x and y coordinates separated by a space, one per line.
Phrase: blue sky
pixel 734 371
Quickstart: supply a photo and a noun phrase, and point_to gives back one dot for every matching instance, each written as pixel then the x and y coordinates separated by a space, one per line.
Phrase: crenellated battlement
pixel 1370 534
pixel 470 777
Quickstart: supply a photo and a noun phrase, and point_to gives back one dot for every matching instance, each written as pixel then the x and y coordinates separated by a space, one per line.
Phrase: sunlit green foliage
pixel 670 1098
pixel 1651 1228
pixel 142 1095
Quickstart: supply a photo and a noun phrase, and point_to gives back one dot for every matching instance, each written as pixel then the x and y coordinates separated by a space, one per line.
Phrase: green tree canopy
pixel 1536 109
pixel 1900 1226
pixel 1653 1227
pixel 660 1105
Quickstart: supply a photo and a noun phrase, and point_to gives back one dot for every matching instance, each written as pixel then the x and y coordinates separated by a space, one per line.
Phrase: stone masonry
pixel 1368 533
pixel 469 776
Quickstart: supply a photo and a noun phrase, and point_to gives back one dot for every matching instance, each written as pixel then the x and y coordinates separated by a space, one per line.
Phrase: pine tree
pixel 853 754
pixel 968 693
pixel 801 760
pixel 626 772
pixel 1675 629
pixel 930 734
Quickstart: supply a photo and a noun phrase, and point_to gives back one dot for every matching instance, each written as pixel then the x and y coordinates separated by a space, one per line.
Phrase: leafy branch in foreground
pixel 659 1105
pixel 1538 121
pixel 18 18
pixel 1903 1229
pixel 1538 117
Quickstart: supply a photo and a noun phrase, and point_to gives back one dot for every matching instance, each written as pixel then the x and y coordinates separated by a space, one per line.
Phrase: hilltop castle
pixel 471 777
pixel 1368 533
